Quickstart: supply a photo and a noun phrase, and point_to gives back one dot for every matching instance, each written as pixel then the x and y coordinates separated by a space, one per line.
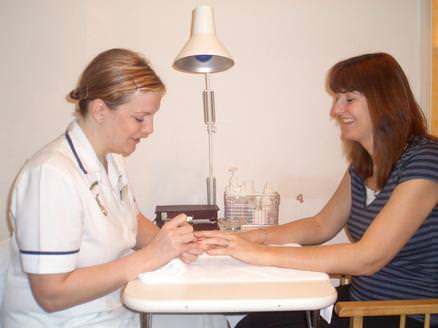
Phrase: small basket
pixel 260 209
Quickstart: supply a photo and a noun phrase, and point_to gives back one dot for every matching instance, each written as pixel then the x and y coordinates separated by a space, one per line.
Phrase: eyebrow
pixel 143 113
pixel 148 111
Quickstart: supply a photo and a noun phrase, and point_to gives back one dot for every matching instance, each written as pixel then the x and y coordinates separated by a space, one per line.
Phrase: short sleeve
pixel 47 212
pixel 421 163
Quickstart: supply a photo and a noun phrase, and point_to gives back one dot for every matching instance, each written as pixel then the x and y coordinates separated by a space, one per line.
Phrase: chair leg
pixel 427 320
pixel 356 322
pixel 402 321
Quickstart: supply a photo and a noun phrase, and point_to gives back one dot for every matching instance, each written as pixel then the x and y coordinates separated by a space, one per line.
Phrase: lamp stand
pixel 210 120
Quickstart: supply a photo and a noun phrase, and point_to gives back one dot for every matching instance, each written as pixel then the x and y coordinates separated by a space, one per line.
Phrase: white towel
pixel 224 269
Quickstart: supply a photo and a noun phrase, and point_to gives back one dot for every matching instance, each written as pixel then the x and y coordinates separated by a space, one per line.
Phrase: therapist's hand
pixel 174 239
pixel 191 255
pixel 215 242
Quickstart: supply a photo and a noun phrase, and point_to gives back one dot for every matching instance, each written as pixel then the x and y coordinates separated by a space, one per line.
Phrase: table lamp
pixel 204 54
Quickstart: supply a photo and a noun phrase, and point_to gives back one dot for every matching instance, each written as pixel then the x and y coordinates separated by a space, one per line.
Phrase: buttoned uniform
pixel 68 213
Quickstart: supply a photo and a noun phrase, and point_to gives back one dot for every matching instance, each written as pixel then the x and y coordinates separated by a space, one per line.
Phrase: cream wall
pixel 271 107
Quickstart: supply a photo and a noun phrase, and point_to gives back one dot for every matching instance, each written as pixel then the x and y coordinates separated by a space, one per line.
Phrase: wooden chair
pixel 358 310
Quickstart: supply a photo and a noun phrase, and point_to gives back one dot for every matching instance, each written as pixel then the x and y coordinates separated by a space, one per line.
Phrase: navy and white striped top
pixel 413 272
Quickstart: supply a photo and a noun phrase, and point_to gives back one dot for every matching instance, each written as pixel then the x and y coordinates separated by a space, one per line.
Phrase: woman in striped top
pixel 387 199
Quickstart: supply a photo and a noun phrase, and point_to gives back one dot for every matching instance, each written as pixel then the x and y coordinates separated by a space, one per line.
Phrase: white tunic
pixel 68 213
pixel 60 225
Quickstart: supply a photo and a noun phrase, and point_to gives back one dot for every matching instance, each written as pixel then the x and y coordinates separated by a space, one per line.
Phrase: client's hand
pixel 216 242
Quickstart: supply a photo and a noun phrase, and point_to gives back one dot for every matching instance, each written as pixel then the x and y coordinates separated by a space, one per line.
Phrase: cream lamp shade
pixel 203 52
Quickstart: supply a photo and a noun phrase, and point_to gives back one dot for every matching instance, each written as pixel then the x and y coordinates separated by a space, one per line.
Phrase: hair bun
pixel 74 94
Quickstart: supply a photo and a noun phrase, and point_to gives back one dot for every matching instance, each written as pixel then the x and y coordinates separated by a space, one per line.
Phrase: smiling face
pixel 350 109
pixel 130 122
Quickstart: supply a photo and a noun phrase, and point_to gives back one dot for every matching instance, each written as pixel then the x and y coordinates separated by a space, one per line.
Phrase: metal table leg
pixel 308 319
pixel 312 319
pixel 145 320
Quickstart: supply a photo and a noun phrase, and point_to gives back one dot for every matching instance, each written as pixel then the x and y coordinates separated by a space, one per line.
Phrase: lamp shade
pixel 203 52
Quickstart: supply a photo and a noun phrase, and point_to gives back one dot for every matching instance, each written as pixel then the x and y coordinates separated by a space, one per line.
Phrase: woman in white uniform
pixel 76 223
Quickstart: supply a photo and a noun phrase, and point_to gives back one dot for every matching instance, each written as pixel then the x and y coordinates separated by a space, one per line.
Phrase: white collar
pixel 86 156
pixel 83 148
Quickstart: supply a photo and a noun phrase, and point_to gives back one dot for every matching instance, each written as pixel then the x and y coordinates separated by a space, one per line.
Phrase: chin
pixel 127 153
pixel 347 137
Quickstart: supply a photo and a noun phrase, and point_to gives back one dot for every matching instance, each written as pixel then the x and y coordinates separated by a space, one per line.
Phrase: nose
pixel 337 108
pixel 148 128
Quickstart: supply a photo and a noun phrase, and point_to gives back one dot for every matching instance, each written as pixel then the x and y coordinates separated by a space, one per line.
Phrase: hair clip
pixel 137 85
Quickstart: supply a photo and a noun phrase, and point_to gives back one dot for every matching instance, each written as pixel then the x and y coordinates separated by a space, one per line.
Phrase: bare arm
pixel 312 230
pixel 146 231
pixel 405 211
pixel 56 292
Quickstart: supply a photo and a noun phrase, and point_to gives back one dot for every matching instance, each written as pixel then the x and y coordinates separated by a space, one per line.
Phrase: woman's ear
pixel 97 110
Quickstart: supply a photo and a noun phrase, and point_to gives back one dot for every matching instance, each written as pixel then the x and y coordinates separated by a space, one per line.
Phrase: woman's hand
pixel 227 243
pixel 55 292
pixel 192 254
pixel 174 239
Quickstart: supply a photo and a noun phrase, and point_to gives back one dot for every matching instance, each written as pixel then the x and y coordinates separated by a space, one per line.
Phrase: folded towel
pixel 207 269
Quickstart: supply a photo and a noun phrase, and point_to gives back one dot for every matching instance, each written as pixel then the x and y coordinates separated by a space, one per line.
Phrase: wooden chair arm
pixel 357 310
pixel 386 308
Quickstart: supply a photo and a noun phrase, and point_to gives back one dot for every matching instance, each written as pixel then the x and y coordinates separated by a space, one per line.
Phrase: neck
pixel 91 131
pixel 369 147
pixel 371 181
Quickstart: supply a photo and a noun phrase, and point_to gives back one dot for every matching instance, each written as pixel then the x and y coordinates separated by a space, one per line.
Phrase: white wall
pixel 271 107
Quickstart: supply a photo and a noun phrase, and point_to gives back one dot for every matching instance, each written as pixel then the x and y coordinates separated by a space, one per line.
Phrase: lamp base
pixel 204 216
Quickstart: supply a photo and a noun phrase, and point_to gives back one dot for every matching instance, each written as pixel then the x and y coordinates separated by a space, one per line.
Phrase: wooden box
pixel 204 216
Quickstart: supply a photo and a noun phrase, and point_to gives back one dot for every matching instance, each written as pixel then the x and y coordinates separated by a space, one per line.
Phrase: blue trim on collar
pixel 73 149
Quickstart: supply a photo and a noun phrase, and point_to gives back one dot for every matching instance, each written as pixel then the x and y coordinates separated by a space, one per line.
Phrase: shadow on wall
pixel 8 214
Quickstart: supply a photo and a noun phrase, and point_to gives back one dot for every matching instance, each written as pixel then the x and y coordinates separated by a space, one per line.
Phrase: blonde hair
pixel 113 76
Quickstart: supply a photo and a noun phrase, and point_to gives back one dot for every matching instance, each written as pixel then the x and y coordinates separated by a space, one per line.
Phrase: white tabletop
pixel 209 286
